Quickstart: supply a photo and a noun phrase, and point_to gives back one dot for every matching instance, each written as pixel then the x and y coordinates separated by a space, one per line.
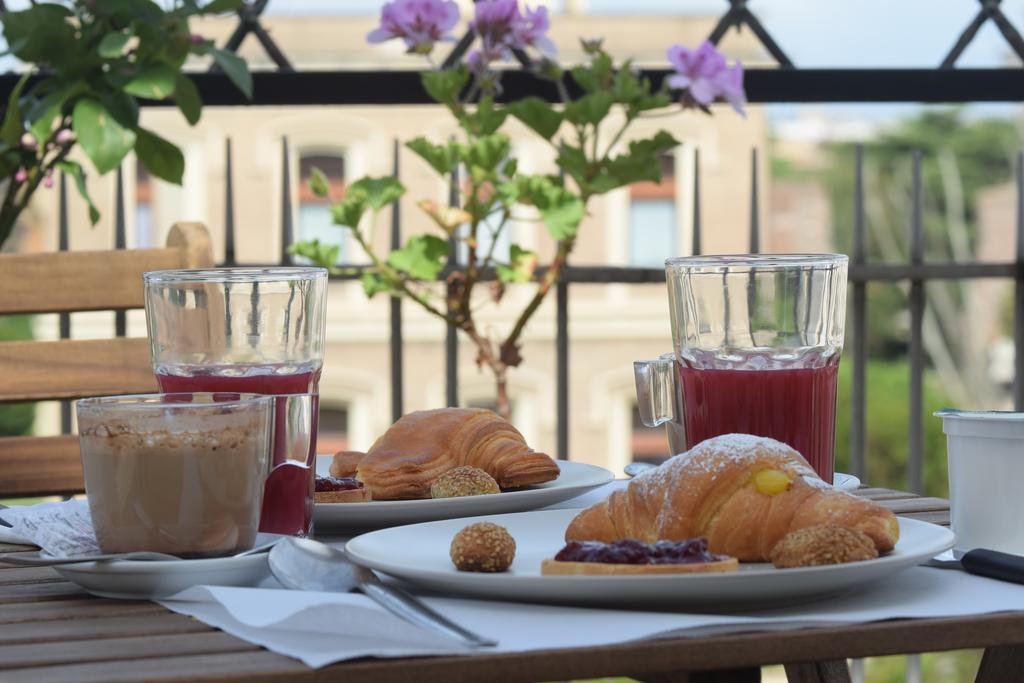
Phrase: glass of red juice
pixel 757 345
pixel 251 330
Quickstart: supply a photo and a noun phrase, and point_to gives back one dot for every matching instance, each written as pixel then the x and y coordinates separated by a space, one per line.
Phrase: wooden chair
pixel 68 369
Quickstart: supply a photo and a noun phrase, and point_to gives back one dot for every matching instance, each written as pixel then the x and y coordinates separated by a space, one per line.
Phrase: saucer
pixel 155 579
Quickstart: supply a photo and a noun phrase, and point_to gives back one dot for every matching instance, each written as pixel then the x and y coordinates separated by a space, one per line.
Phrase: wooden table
pixel 51 630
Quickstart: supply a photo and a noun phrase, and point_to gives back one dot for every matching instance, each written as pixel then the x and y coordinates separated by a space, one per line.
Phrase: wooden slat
pixel 74 609
pixel 234 666
pixel 96 280
pixel 40 465
pixel 13 575
pixel 106 627
pixel 45 654
pixel 74 368
pixel 40 592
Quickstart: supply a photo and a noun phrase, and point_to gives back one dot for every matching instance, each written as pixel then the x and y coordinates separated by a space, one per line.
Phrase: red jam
pixel 630 551
pixel 337 484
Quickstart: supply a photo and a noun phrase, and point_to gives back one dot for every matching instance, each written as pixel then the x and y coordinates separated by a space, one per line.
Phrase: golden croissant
pixel 425 444
pixel 742 493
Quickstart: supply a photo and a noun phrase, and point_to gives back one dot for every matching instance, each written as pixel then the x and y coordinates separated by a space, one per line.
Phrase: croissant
pixel 741 492
pixel 425 444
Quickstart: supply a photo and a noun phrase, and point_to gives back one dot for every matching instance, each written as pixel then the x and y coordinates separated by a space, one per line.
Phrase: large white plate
pixel 152 580
pixel 576 478
pixel 419 554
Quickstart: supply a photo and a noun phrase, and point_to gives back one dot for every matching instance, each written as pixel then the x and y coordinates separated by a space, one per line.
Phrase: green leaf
pixel 40 34
pixel 323 255
pixel 374 284
pixel 590 108
pixel 154 82
pixel 235 68
pixel 319 184
pixel 42 113
pixel 445 85
pixel 484 119
pixel 160 157
pixel 639 163
pixel 378 192
pixel 102 138
pixel 187 97
pixel 217 6
pixel 538 115
pixel 123 11
pixel 113 44
pixel 442 158
pixel 422 257
pixel 349 211
pixel 487 152
pixel 74 169
pixel 122 107
pixel 13 125
pixel 521 266
pixel 561 210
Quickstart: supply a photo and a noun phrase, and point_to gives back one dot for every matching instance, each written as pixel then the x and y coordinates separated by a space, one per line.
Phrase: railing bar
pixel 287 232
pixel 964 40
pixel 755 228
pixel 858 416
pixel 229 205
pixel 451 340
pixel 120 242
pixel 1018 301
pixel 64 319
pixel 562 365
pixel 917 304
pixel 397 382
pixel 696 202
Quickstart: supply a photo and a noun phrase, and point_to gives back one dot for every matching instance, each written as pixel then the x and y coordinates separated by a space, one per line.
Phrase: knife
pixel 983 562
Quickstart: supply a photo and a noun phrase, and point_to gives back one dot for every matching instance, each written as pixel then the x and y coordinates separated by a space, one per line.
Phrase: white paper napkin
pixel 61 529
pixel 321 628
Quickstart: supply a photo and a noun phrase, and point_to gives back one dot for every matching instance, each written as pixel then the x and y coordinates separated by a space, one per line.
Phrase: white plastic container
pixel 986 479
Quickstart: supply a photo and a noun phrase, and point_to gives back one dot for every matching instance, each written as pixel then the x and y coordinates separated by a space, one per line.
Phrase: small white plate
pixel 846 482
pixel 575 479
pixel 152 580
pixel 419 554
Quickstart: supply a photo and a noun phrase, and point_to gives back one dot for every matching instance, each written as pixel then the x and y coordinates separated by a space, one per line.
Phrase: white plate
pixel 152 580
pixel 846 482
pixel 576 478
pixel 419 554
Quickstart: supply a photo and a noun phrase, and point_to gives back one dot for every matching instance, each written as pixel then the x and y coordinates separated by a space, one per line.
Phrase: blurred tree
pixel 17 418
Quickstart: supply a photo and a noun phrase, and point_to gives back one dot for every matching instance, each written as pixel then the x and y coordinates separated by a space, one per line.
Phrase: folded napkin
pixel 321 628
pixel 61 529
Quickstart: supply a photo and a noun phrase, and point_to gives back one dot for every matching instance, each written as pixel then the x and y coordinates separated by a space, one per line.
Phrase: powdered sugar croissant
pixel 743 493
pixel 425 444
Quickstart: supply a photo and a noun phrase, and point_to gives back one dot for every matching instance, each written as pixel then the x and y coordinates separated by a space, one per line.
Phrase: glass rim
pixel 243 274
pixel 760 261
pixel 160 400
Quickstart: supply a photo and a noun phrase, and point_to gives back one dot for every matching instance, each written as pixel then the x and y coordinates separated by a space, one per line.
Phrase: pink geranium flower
pixel 704 76
pixel 503 28
pixel 420 23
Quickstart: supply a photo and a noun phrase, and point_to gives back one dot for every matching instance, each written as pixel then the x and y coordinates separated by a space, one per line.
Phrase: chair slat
pixel 94 280
pixel 34 465
pixel 75 368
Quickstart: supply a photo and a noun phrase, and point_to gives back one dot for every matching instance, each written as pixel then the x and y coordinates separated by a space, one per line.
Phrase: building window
pixel 652 218
pixel 332 429
pixel 145 237
pixel 315 212
pixel 485 240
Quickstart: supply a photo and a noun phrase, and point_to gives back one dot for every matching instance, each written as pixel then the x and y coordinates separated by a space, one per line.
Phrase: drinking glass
pixel 176 473
pixel 757 341
pixel 258 330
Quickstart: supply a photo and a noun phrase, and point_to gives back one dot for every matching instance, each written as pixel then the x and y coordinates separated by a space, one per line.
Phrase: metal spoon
pixel 635 468
pixel 39 561
pixel 304 564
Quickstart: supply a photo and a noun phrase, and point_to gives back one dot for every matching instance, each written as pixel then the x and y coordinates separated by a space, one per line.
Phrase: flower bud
pixel 21 175
pixel 65 136
pixel 28 142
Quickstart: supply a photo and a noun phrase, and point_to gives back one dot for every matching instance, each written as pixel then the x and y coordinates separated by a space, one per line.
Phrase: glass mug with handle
pixel 257 330
pixel 757 341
